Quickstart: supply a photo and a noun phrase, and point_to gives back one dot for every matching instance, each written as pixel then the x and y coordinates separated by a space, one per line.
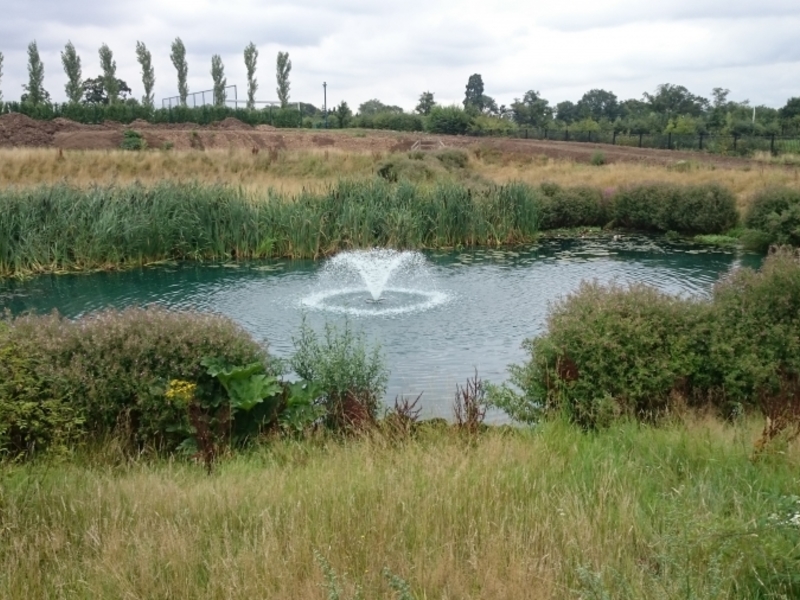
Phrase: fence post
pixel 566 135
pixel 640 139
pixel 772 145
pixel 701 141
pixel 545 133
pixel 669 140
pixel 526 133
pixel 735 139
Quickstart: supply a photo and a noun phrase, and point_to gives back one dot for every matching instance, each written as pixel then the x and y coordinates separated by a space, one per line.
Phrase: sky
pixel 394 51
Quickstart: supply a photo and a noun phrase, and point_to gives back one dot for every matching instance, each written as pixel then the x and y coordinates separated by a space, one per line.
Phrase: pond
pixel 441 316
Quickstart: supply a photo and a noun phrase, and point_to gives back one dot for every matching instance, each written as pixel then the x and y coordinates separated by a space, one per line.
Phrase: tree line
pixel 108 89
pixel 669 108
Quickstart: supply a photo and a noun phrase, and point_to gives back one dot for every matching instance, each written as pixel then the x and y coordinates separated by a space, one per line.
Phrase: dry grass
pixel 631 513
pixel 291 171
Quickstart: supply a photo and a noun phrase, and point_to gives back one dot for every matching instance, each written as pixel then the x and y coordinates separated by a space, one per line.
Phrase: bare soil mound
pixel 18 130
pixel 231 123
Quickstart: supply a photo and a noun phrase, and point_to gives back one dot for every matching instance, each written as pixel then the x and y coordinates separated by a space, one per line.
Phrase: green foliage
pixel 474 97
pixel 352 378
pixel 392 120
pixel 426 103
pixel 451 120
pixel 145 60
pixel 598 158
pixel 218 76
pixel 178 58
pixel 282 70
pixel 563 208
pixel 34 90
pixel 453 158
pixel 109 372
pixel 489 125
pixel 72 67
pixel 775 212
pixel 342 114
pixel 109 66
pixel 250 60
pixel 685 209
pixel 612 351
pixel 132 140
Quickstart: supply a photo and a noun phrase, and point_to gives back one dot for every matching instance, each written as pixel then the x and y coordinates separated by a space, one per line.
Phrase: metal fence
pixel 704 142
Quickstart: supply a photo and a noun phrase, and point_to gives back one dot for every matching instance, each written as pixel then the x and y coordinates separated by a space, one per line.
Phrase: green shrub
pixel 132 140
pixel 572 207
pixel 775 212
pixel 453 158
pixel 399 167
pixel 598 158
pixel 110 371
pixel 702 209
pixel 352 378
pixel 452 120
pixel 756 329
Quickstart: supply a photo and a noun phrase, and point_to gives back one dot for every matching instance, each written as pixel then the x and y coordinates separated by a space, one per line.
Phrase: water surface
pixel 490 300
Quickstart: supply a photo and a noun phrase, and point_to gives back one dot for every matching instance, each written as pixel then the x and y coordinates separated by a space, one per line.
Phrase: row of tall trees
pixel 107 88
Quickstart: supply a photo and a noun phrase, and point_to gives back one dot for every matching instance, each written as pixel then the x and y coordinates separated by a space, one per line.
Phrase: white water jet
pixel 389 282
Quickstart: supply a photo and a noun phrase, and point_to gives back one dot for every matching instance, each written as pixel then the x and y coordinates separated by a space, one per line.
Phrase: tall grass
pixel 632 512
pixel 61 227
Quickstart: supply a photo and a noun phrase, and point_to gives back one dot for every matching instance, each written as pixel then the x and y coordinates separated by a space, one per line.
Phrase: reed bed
pixel 631 512
pixel 63 228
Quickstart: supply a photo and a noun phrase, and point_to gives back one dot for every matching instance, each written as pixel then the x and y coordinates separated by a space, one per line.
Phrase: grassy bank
pixel 292 171
pixel 54 228
pixel 633 512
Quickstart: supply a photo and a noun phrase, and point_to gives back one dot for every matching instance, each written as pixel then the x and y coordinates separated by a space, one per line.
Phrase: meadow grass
pixel 630 512
pixel 295 171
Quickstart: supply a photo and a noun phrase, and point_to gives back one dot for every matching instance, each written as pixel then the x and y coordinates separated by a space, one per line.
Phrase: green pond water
pixel 442 315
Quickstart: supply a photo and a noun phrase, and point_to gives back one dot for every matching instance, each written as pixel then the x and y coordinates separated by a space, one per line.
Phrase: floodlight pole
pixel 325 102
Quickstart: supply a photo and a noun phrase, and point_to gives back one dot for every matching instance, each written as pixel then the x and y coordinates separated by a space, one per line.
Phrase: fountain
pixel 389 281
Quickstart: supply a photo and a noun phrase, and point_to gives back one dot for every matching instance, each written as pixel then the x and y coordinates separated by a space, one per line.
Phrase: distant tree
pixel 218 75
pixel 308 110
pixel 1 75
pixel 34 89
pixel 567 112
pixel 109 66
pixel 532 110
pixel 426 103
pixel 250 59
pixel 375 106
pixel 178 57
pixel 473 97
pixel 72 67
pixel 148 75
pixel 284 67
pixel 95 92
pixel 791 109
pixel 671 100
pixel 720 96
pixel 342 114
pixel 599 104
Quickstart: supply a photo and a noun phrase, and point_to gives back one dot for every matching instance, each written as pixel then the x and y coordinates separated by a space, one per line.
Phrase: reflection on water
pixel 473 310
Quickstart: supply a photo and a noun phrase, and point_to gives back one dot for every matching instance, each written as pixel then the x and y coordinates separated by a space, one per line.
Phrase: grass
pixel 294 171
pixel 632 512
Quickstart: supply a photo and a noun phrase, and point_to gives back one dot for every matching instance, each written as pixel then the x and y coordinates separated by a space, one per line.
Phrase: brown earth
pixel 17 130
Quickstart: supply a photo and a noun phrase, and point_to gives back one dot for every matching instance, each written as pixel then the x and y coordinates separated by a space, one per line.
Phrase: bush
pixel 689 210
pixel 132 140
pixel 775 212
pixel 352 378
pixel 452 120
pixel 756 333
pixel 110 372
pixel 598 158
pixel 572 207
pixel 453 158
pixel 635 351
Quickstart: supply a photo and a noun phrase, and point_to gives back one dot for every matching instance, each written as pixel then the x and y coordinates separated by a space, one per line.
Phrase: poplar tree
pixel 250 58
pixel 218 75
pixel 284 68
pixel 35 92
pixel 148 75
pixel 72 67
pixel 109 66
pixel 178 57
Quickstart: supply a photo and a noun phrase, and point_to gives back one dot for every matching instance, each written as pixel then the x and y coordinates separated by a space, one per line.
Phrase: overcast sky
pixel 394 50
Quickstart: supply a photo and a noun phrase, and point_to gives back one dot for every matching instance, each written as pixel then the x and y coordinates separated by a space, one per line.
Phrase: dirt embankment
pixel 17 130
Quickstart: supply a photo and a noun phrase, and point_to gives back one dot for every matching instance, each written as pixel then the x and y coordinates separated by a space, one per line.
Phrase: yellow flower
pixel 180 391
